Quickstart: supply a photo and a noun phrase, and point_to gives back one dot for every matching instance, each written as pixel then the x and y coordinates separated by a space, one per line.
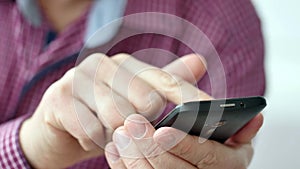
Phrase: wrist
pixel 29 145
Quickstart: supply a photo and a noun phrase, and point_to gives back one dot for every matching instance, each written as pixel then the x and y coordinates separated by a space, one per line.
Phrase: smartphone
pixel 215 120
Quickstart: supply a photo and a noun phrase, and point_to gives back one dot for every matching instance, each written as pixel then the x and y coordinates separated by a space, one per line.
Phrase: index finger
pixel 173 87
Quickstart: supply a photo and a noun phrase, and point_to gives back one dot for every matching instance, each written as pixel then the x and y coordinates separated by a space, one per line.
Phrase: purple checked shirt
pixel 32 57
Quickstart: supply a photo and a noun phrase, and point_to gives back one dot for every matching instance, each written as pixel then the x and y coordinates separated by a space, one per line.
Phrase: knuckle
pixel 91 62
pixel 170 83
pixel 209 160
pixel 65 83
pixel 185 150
pixel 153 152
pixel 110 115
pixel 102 92
pixel 96 57
pixel 156 98
pixel 90 133
pixel 121 57
pixel 135 162
pixel 167 79
pixel 152 103
pixel 93 130
pixel 86 144
pixel 84 139
pixel 60 88
pixel 101 61
pixel 107 106
pixel 157 103
pixel 101 58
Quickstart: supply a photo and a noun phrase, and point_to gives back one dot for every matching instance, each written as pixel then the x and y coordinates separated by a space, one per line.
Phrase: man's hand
pixel 78 114
pixel 138 145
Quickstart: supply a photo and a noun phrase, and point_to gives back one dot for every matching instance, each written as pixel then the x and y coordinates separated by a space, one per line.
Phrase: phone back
pixel 216 119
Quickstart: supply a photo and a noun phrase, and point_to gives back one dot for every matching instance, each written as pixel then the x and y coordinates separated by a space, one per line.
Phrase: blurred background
pixel 278 144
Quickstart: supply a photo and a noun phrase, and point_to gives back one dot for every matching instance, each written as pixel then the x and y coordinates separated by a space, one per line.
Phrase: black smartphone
pixel 215 119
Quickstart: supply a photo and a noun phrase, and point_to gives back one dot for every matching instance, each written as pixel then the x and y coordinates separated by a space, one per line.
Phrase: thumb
pixel 190 67
pixel 201 152
pixel 190 148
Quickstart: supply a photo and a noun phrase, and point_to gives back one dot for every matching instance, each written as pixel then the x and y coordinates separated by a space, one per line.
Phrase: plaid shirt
pixel 29 65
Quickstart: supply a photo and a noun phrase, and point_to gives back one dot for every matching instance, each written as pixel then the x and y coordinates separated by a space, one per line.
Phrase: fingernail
pixel 137 127
pixel 166 141
pixel 112 153
pixel 121 139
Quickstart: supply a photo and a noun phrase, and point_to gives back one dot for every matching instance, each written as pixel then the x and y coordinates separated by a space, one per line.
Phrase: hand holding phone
pixel 215 119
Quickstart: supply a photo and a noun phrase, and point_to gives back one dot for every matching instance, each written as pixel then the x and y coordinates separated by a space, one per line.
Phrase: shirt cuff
pixel 11 154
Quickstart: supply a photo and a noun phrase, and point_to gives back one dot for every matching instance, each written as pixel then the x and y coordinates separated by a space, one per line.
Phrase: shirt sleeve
pixel 11 155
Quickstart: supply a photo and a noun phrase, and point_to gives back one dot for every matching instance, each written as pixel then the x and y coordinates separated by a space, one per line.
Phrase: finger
pixel 108 105
pixel 248 132
pixel 187 147
pixel 92 128
pixel 80 122
pixel 199 152
pixel 128 151
pixel 73 117
pixel 101 69
pixel 141 132
pixel 191 68
pixel 173 87
pixel 113 157
pixel 111 108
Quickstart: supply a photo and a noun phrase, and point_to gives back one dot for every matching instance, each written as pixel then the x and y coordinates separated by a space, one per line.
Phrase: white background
pixel 278 144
